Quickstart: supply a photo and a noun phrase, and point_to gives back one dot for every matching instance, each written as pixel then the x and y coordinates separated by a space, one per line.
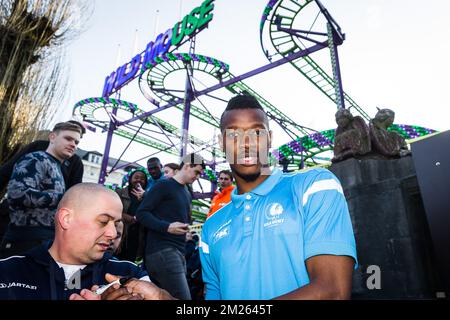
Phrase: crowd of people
pixel 289 235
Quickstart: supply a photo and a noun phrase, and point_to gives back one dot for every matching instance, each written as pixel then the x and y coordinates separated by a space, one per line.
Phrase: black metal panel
pixel 432 162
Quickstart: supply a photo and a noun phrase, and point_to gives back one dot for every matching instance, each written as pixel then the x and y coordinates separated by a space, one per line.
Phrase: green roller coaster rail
pixel 284 44
pixel 160 71
pixel 175 62
pixel 87 107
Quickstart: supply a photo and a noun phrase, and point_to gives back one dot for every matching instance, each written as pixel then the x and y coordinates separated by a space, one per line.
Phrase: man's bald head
pixel 85 223
pixel 83 194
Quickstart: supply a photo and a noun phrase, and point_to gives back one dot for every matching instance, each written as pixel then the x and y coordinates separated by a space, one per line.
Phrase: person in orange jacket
pixel 224 196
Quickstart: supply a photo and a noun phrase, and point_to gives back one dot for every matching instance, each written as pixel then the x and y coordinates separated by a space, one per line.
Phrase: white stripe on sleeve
pixel 205 247
pixel 317 186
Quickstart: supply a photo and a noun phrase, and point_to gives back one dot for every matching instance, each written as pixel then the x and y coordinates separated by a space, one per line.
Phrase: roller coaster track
pixel 86 108
pixel 155 79
pixel 283 44
pixel 173 62
pixel 282 14
pixel 316 143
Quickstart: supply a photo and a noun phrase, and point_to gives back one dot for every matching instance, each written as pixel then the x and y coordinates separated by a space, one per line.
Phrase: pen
pixel 105 287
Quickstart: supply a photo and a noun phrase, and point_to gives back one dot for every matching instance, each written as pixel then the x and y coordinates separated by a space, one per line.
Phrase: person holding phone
pixel 132 244
pixel 165 213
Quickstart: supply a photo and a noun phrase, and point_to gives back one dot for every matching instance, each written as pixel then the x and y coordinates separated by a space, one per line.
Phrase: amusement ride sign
pixel 191 24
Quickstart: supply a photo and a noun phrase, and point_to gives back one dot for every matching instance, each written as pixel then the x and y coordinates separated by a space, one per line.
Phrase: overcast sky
pixel 395 56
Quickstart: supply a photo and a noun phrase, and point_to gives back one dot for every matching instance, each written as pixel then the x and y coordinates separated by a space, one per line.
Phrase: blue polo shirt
pixel 151 182
pixel 256 246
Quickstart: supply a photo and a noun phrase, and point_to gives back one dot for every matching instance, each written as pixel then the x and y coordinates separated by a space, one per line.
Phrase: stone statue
pixel 388 144
pixel 351 137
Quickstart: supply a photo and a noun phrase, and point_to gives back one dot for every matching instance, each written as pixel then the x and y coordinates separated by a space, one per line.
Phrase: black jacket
pixel 72 168
pixel 36 276
pixel 167 201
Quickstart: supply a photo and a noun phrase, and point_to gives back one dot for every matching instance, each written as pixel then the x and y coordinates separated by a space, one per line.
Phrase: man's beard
pixel 248 177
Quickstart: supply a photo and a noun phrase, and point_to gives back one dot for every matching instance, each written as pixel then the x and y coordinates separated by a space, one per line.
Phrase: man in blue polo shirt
pixel 286 236
pixel 154 168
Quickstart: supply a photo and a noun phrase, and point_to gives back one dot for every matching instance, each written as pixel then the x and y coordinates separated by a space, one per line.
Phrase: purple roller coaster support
pixel 112 127
pixel 186 113
pixel 269 66
pixel 149 113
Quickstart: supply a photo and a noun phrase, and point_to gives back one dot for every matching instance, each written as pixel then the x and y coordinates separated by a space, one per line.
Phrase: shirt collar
pixel 261 190
pixel 227 189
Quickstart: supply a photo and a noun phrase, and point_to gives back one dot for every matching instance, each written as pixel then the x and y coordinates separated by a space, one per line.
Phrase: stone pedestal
pixel 390 228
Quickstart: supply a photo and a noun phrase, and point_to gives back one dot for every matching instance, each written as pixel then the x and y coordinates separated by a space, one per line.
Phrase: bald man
pixel 78 257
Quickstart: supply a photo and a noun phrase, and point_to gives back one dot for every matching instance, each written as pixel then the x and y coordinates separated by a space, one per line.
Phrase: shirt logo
pixel 222 232
pixel 276 209
pixel 273 215
pixel 17 284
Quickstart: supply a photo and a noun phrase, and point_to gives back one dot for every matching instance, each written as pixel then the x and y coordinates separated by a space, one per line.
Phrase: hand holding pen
pixel 146 290
pixel 120 282
pixel 115 290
